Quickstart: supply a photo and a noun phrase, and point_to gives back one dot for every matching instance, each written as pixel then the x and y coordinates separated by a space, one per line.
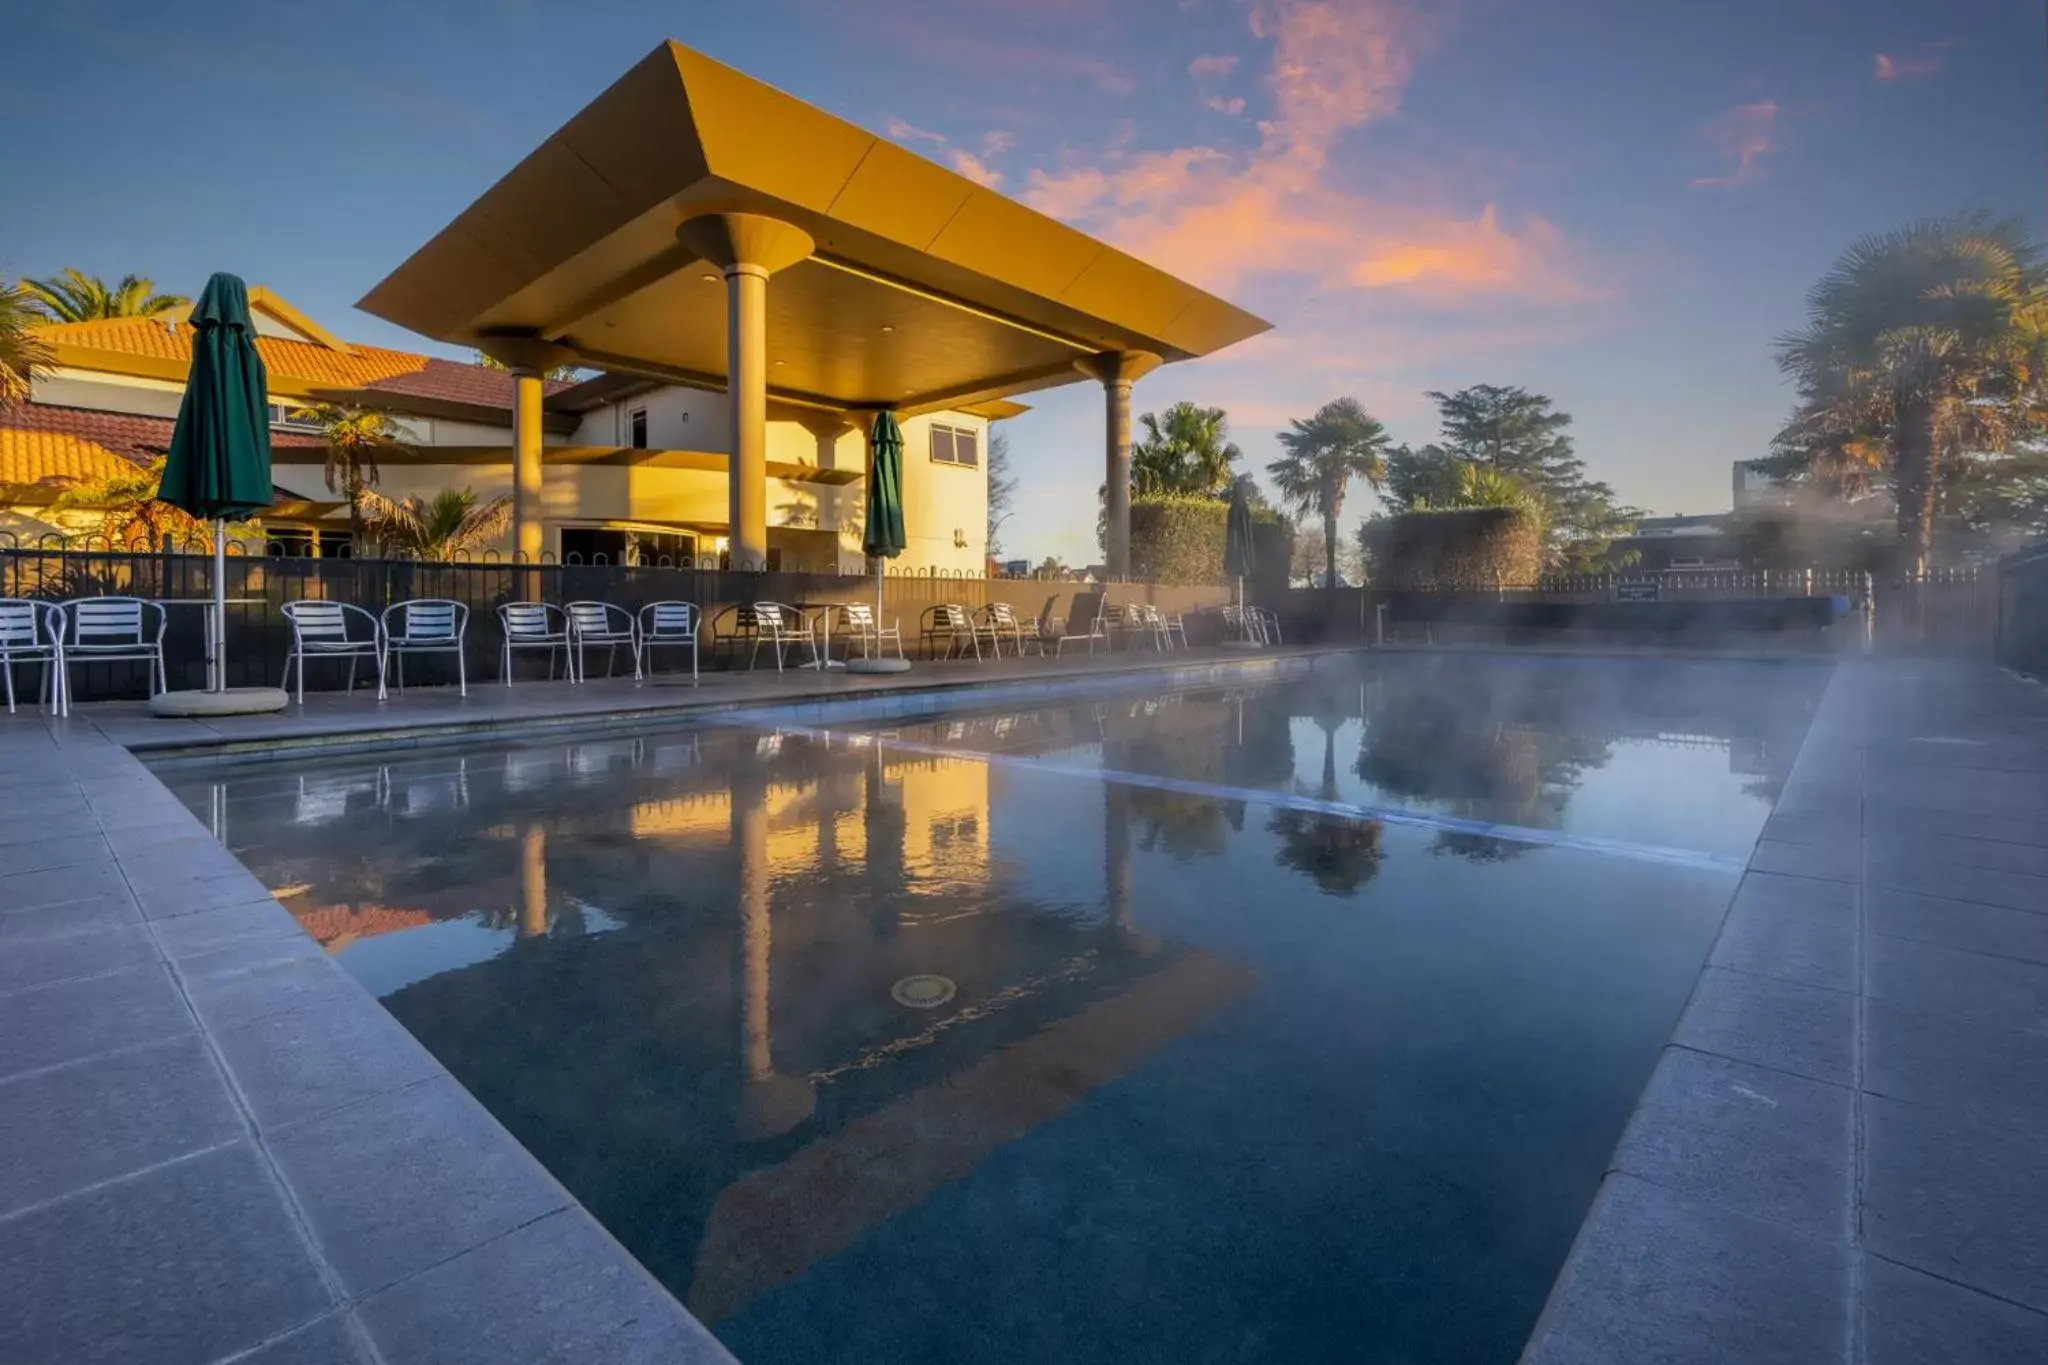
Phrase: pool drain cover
pixel 923 991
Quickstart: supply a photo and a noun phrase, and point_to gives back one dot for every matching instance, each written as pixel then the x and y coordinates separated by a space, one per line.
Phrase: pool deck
pixel 1843 1153
pixel 216 1146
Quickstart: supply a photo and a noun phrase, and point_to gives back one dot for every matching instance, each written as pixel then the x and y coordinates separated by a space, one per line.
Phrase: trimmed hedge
pixel 1179 539
pixel 1462 549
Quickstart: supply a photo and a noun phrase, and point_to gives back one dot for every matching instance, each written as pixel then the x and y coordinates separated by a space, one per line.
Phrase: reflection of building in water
pixel 726 1078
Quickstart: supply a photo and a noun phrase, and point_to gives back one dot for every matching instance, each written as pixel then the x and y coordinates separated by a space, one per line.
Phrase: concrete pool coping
pixel 216 1145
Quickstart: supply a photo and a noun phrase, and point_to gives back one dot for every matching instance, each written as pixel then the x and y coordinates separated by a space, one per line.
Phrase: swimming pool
pixel 1293 1021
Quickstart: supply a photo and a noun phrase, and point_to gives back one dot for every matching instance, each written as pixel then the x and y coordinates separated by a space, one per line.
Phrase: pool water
pixel 1287 1022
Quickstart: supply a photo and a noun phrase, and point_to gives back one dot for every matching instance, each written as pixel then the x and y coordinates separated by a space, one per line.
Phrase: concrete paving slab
pixel 398 1184
pixel 336 1052
pixel 109 1116
pixel 1916 1319
pixel 551 1293
pixel 1660 1277
pixel 1807 1030
pixel 334 1340
pixel 1763 1143
pixel 190 1261
pixel 1994 1075
pixel 1996 992
pixel 1957 1199
pixel 50 1025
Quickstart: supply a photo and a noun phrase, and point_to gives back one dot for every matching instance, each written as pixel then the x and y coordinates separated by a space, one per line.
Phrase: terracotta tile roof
pixel 334 927
pixel 40 442
pixel 301 362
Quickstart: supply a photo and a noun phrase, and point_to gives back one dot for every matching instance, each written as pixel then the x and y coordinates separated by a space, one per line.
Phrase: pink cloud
pixel 1924 62
pixel 1221 65
pixel 904 131
pixel 1745 135
pixel 1219 217
pixel 975 169
pixel 1232 107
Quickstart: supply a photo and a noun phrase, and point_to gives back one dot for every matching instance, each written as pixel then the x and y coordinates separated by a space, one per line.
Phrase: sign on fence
pixel 1636 590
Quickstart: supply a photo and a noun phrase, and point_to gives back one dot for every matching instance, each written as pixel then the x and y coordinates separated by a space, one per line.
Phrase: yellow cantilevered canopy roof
pixel 925 290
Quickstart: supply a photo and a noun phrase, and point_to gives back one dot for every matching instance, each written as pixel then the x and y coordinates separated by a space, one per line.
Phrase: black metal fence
pixel 2023 612
pixel 259 637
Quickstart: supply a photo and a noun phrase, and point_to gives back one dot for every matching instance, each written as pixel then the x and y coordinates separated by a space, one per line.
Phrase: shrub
pixel 1179 539
pixel 1463 549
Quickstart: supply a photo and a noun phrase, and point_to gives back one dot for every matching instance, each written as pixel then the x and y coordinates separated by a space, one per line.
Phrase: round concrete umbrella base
pixel 1242 644
pixel 236 701
pixel 878 665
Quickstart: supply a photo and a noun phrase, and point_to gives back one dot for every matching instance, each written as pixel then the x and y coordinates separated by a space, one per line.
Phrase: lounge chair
pixel 331 630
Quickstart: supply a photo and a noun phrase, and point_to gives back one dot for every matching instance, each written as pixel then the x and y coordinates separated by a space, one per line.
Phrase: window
pixel 285 416
pixel 637 419
pixel 955 445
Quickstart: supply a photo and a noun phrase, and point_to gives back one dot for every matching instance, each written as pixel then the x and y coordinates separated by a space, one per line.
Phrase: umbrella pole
pixel 879 569
pixel 218 660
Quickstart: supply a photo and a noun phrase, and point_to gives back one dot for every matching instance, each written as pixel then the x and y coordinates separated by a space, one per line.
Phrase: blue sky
pixel 1616 202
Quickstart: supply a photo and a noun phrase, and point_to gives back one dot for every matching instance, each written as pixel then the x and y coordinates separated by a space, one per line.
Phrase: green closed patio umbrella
pixel 219 465
pixel 884 536
pixel 1239 557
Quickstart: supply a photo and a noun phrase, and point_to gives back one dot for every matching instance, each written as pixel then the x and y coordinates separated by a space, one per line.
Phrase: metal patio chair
pixel 857 622
pixel 601 623
pixel 1269 624
pixel 534 625
pixel 111 630
pixel 669 625
pixel 1175 625
pixel 427 625
pixel 948 621
pixel 331 630
pixel 33 633
pixel 999 622
pixel 780 628
pixel 1149 619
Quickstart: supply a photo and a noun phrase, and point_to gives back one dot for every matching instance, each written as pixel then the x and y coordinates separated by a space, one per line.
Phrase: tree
pixel 356 439
pixel 1186 449
pixel 1339 853
pixel 23 355
pixel 1324 453
pixel 561 374
pixel 1310 557
pixel 1002 488
pixel 1516 434
pixel 450 525
pixel 127 506
pixel 1921 345
pixel 1052 567
pixel 77 297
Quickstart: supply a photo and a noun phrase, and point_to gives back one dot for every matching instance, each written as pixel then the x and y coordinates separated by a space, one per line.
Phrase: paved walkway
pixel 1843 1155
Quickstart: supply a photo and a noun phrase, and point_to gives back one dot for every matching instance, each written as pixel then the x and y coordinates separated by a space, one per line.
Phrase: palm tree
pixel 23 354
pixel 355 438
pixel 1928 339
pixel 77 297
pixel 127 506
pixel 1339 853
pixel 450 525
pixel 1186 449
pixel 1325 453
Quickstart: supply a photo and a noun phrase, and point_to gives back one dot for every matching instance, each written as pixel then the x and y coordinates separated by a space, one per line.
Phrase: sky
pixel 1618 203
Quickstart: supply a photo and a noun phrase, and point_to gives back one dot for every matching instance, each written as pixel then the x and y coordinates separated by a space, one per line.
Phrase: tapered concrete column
pixel 528 532
pixel 533 882
pixel 1117 371
pixel 528 357
pixel 770 1103
pixel 748 248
